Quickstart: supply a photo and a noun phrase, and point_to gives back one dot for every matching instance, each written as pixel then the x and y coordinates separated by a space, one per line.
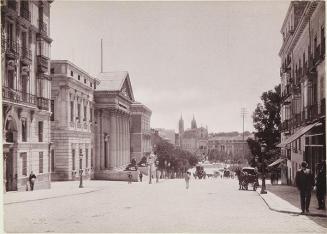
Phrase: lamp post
pixel 80 171
pixel 263 169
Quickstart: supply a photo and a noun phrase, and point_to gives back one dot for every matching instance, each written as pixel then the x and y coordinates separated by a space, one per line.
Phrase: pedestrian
pixel 129 177
pixel 304 181
pixel 32 179
pixel 321 185
pixel 141 176
pixel 187 179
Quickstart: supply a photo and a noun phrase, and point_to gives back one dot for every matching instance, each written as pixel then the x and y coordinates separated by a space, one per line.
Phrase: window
pixel 71 73
pixel 73 159
pixel 78 77
pixel 52 160
pixel 86 157
pixel 84 81
pixel 40 162
pixel 52 70
pixel 91 84
pixel 72 111
pixel 95 86
pixel 40 131
pixel 91 115
pixel 24 130
pixel 24 163
pixel 79 112
pixel 52 110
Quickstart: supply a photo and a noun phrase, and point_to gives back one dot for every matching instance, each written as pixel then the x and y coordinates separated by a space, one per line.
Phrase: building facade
pixel 25 52
pixel 303 85
pixel 72 121
pixel 140 131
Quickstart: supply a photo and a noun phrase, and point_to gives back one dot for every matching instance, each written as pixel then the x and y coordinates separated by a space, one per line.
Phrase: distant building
pixel 25 56
pixel 140 131
pixel 303 87
pixel 167 134
pixel 194 140
pixel 232 147
pixel 72 133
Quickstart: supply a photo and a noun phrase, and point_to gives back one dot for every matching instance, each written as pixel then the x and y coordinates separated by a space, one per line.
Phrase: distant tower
pixel 193 123
pixel 181 125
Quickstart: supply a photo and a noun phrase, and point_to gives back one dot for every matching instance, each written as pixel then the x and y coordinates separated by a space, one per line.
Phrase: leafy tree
pixel 266 121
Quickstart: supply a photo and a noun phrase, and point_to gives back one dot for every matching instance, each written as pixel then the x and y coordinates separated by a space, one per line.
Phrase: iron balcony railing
pixel 18 96
pixel 25 13
pixel 43 27
pixel 43 62
pixel 43 103
pixel 11 47
pixel 26 53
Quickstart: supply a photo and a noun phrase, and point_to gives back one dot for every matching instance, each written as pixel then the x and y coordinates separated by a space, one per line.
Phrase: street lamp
pixel 263 169
pixel 80 171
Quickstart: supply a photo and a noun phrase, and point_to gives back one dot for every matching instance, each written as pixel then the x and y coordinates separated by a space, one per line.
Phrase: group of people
pixel 306 182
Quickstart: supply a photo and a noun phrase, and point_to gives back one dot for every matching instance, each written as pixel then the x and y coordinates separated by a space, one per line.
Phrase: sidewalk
pixel 58 189
pixel 286 199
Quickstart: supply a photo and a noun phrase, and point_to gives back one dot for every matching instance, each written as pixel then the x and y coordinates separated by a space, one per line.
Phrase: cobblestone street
pixel 212 205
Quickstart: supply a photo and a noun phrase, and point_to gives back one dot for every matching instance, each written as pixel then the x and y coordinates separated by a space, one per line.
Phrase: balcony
pixel 11 48
pixel 42 63
pixel 43 27
pixel 296 89
pixel 285 125
pixel 43 103
pixel 286 93
pixel 26 55
pixel 26 14
pixel 18 96
pixel 310 113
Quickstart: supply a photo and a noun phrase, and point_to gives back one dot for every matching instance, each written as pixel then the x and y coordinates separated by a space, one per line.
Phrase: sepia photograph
pixel 163 116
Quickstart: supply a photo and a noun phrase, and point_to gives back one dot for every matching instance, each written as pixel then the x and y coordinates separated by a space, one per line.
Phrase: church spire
pixel 181 125
pixel 193 123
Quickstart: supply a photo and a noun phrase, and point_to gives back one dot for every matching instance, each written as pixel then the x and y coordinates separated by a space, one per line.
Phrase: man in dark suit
pixel 304 181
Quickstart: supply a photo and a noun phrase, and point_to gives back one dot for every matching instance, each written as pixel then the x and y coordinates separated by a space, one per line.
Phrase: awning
pixel 276 162
pixel 297 134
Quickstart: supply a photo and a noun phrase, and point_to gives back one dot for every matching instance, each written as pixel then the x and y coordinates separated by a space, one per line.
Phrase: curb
pixel 46 198
pixel 290 212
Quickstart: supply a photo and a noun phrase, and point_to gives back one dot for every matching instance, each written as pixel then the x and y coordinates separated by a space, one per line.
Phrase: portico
pixel 112 128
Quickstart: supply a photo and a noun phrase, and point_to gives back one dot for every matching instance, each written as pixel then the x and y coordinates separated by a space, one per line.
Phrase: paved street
pixel 213 205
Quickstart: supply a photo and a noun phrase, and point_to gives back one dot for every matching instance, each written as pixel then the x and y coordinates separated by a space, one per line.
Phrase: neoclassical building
pixel 113 100
pixel 25 52
pixel 72 121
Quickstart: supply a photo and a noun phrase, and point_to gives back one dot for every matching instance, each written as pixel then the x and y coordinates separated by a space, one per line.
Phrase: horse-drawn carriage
pixel 246 176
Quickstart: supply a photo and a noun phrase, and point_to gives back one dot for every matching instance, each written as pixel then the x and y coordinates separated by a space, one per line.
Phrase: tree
pixel 266 121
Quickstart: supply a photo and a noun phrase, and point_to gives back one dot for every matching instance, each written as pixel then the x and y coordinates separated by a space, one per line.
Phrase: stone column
pixel 117 140
pixel 125 140
pixel 128 139
pixel 99 135
pixel 112 148
pixel 120 141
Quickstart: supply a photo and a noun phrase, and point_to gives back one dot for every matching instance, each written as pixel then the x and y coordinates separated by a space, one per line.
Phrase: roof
pixel 112 81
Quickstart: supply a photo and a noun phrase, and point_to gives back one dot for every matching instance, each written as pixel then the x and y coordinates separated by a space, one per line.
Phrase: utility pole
pixel 101 56
pixel 243 114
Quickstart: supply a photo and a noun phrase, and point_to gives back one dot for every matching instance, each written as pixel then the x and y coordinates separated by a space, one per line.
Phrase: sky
pixel 207 59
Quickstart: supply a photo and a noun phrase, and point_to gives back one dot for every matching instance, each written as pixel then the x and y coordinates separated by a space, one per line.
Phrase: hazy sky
pixel 209 59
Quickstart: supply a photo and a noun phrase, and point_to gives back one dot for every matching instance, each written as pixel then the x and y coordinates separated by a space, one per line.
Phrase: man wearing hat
pixel 304 181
